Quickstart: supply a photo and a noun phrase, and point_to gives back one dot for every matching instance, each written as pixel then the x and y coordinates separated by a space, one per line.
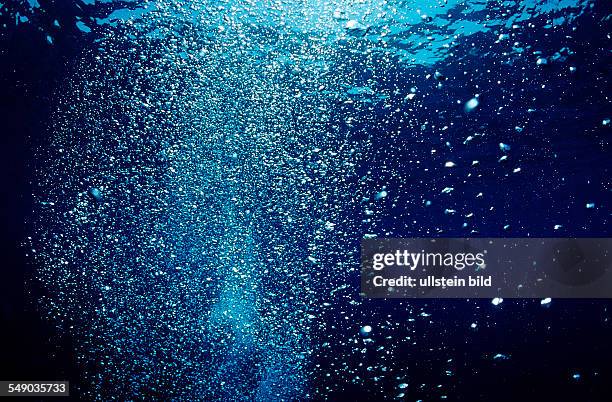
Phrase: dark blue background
pixel 565 162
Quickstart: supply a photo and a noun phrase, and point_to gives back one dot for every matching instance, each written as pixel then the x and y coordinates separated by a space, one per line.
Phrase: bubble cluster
pixel 189 207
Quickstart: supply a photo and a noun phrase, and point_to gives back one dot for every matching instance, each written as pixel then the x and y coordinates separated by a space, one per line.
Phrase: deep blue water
pixel 187 185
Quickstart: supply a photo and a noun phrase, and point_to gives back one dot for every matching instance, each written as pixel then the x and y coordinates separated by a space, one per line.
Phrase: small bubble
pixel 382 194
pixel 500 356
pixel 439 76
pixel 365 330
pixel 496 301
pixel 95 193
pixel 471 105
